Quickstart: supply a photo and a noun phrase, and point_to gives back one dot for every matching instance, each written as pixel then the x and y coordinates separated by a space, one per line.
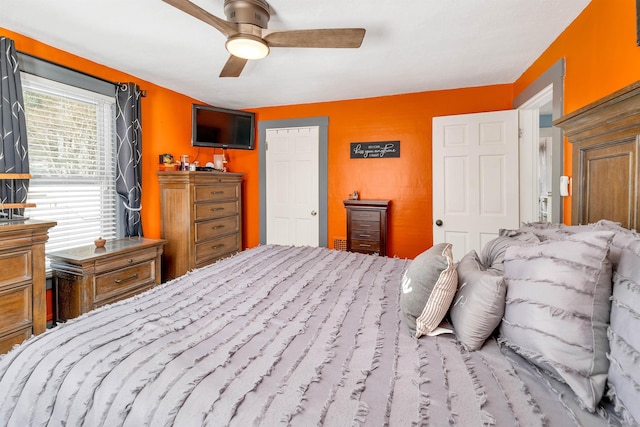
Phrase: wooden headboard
pixel 606 144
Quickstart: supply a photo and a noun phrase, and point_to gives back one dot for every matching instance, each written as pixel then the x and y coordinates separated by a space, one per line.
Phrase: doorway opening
pixel 323 158
pixel 541 147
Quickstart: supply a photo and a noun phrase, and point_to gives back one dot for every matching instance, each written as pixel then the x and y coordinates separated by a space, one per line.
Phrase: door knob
pixel 439 222
pixel 314 213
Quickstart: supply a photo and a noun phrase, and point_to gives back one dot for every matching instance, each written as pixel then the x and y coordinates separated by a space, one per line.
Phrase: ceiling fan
pixel 248 37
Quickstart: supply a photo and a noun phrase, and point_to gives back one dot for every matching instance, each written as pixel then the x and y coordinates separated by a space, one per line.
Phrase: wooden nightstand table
pixel 367 226
pixel 88 277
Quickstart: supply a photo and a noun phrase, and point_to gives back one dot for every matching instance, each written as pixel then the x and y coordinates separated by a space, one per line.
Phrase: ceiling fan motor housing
pixel 255 12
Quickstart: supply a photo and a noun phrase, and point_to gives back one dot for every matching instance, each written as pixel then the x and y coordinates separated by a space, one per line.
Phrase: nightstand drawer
pixel 123 295
pixel 369 235
pixel 210 229
pixel 121 281
pixel 210 193
pixel 216 249
pixel 120 261
pixel 365 225
pixel 362 245
pixel 15 267
pixel 215 210
pixel 361 215
pixel 15 308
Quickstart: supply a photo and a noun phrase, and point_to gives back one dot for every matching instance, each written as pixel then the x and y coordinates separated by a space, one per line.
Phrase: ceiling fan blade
pixel 335 38
pixel 225 27
pixel 233 67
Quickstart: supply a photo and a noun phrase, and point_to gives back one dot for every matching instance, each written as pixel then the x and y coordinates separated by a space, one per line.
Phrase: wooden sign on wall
pixel 375 150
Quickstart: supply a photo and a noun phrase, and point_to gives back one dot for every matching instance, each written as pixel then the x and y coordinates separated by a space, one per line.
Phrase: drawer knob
pixel 134 276
pixel 365 235
pixel 218 247
pixel 216 209
pixel 365 225
pixel 130 260
pixel 213 193
pixel 218 227
pixel 362 245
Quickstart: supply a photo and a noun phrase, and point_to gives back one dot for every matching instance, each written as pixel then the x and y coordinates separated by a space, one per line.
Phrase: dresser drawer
pixel 363 245
pixel 207 251
pixel 121 281
pixel 361 215
pixel 15 308
pixel 15 267
pixel 120 261
pixel 210 193
pixel 217 227
pixel 369 235
pixel 8 341
pixel 216 210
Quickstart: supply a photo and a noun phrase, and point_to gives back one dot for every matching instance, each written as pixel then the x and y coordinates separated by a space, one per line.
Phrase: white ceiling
pixel 410 45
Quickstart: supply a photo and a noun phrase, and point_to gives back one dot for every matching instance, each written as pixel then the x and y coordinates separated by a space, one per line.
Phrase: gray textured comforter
pixel 272 336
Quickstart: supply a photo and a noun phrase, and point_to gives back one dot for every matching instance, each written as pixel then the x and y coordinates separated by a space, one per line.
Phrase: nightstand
pixel 367 226
pixel 89 277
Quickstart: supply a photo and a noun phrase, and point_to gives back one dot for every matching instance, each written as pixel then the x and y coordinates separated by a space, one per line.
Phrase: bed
pixel 275 335
pixel 301 336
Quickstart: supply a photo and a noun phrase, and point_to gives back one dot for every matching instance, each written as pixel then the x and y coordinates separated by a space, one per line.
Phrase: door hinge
pixel 266 146
pixel 519 132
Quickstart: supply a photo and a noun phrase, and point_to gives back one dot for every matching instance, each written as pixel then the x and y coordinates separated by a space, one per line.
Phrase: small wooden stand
pixel 11 206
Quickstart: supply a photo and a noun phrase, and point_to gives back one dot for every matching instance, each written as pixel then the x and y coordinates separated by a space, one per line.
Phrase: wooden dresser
pixel 367 226
pixel 606 158
pixel 87 277
pixel 201 218
pixel 23 310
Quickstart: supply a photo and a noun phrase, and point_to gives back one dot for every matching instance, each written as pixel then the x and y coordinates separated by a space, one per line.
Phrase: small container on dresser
pixel 23 310
pixel 89 277
pixel 367 226
pixel 200 217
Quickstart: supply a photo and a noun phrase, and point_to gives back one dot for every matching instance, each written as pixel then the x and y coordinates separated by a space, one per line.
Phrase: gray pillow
pixel 553 231
pixel 622 239
pixel 557 309
pixel 492 254
pixel 624 339
pixel 478 305
pixel 428 287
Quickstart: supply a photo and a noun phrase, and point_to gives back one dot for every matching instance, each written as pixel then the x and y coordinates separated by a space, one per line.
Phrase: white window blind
pixel 71 136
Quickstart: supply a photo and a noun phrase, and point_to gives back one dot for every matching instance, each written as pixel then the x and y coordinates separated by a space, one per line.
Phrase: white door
pixel 475 178
pixel 292 163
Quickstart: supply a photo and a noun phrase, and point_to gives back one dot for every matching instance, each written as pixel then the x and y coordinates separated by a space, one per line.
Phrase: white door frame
pixel 529 113
pixel 323 158
pixel 554 76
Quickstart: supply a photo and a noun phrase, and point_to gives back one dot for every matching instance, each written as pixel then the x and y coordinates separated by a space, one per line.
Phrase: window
pixel 71 135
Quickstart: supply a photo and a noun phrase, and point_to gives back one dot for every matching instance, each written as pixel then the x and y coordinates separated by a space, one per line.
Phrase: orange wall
pixel 601 57
pixel 406 181
pixel 166 121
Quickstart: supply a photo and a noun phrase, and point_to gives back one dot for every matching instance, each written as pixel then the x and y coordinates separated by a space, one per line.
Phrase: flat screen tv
pixel 222 128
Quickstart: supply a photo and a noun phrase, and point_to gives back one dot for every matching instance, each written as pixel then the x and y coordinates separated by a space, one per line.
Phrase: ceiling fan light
pixel 247 47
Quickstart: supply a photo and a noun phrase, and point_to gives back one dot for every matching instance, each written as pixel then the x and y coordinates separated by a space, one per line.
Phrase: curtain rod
pixel 143 93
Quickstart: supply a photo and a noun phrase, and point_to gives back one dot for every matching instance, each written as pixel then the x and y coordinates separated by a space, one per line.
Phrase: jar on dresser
pixel 200 218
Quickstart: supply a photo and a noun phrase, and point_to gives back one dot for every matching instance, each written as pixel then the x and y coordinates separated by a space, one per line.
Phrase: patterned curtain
pixel 13 137
pixel 129 154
